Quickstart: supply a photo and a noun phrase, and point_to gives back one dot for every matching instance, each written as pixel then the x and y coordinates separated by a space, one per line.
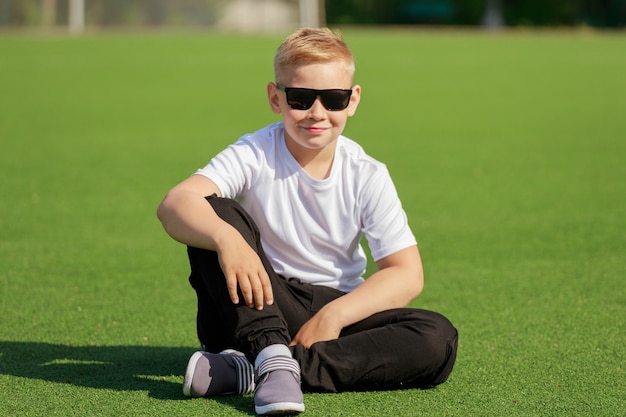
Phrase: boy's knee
pixel 225 207
pixel 234 214
pixel 437 347
pixel 443 348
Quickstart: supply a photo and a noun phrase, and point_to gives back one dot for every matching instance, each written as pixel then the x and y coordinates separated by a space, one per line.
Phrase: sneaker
pixel 209 374
pixel 278 387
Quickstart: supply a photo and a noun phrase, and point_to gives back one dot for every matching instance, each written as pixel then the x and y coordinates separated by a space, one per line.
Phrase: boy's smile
pixel 311 134
pixel 315 130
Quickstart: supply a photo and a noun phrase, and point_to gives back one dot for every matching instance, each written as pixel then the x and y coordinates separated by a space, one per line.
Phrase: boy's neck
pixel 315 162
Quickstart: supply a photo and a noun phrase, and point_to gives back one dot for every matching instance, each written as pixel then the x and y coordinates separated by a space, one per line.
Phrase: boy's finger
pixel 257 290
pixel 267 289
pixel 246 291
pixel 231 284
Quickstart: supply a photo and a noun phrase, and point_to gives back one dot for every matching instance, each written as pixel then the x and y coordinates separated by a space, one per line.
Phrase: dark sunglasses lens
pixel 300 99
pixel 336 100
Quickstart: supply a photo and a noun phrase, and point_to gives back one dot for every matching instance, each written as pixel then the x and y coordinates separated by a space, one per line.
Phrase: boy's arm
pixel 397 282
pixel 188 218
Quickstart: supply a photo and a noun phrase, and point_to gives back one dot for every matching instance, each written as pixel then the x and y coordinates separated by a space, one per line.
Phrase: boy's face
pixel 315 128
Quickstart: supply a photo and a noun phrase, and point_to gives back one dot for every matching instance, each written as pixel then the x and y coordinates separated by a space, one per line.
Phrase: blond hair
pixel 312 46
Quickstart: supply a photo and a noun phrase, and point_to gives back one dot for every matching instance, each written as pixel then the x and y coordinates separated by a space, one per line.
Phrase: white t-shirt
pixel 311 229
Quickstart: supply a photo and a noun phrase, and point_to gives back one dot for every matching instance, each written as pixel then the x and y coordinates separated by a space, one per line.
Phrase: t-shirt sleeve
pixel 233 170
pixel 385 224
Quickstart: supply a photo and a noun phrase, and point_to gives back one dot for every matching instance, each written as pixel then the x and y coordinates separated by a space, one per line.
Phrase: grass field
pixel 508 151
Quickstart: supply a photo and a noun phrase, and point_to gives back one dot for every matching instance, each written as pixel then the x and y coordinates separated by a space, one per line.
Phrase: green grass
pixel 507 150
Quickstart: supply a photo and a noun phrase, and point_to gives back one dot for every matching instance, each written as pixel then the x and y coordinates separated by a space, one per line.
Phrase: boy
pixel 273 225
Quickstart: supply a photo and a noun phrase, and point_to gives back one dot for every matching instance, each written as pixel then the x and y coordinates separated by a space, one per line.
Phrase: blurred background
pixel 279 15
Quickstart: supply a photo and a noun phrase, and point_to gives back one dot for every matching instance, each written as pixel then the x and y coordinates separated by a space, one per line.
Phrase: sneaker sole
pixel 279 409
pixel 191 367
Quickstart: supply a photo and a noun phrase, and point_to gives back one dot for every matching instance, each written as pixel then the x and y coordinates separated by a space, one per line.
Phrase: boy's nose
pixel 317 110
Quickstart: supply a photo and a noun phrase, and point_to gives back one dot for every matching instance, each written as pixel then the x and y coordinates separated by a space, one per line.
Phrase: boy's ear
pixel 355 99
pixel 273 97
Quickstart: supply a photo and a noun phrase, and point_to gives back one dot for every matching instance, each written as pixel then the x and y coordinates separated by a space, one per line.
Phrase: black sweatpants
pixel 392 349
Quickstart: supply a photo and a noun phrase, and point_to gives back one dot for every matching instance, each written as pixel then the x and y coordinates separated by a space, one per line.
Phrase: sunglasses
pixel 303 98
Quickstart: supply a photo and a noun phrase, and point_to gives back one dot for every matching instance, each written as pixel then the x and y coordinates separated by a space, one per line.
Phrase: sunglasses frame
pixel 322 94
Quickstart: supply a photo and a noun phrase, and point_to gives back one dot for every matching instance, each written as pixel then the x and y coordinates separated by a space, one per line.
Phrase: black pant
pixel 397 348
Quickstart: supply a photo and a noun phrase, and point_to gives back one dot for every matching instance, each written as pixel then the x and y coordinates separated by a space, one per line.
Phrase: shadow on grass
pixel 123 368
pixel 158 370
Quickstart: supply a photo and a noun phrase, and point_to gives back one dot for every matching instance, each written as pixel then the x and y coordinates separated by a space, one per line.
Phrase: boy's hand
pixel 317 329
pixel 243 269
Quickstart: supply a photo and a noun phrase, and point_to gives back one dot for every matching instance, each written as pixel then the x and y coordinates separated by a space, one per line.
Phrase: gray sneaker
pixel 209 374
pixel 278 387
